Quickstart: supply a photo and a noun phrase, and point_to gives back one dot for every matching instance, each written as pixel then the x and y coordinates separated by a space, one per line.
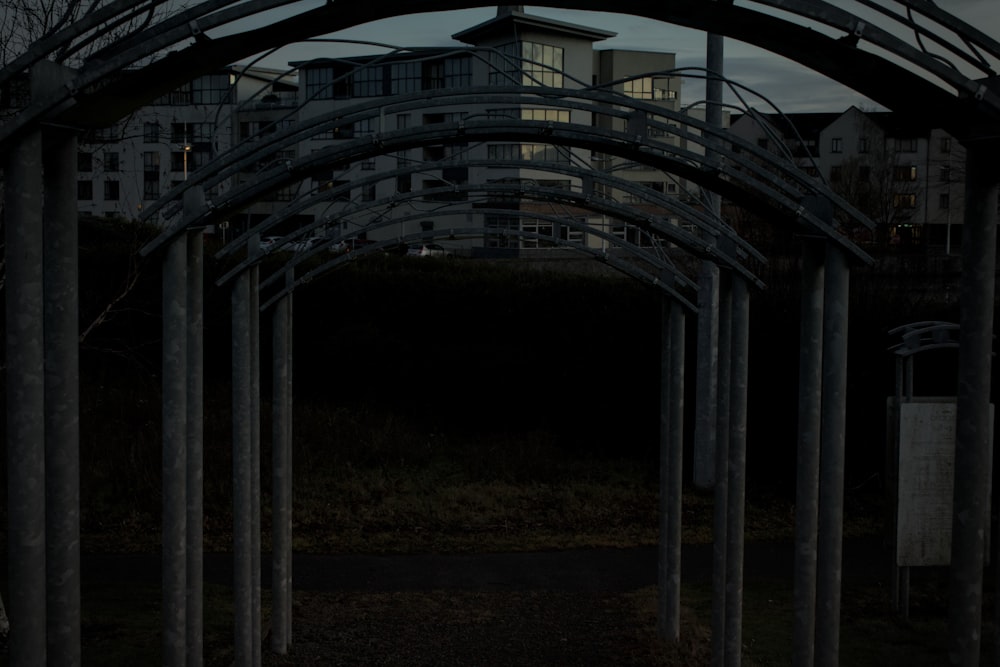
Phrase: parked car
pixel 428 250
pixel 268 242
pixel 307 244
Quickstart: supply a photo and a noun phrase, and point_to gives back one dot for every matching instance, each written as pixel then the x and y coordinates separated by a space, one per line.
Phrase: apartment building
pixel 132 164
pixel 907 179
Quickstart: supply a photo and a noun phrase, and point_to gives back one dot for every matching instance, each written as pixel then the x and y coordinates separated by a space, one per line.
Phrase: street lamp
pixel 187 149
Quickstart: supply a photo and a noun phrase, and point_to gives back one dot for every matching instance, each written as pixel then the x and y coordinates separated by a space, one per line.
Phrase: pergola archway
pixel 964 104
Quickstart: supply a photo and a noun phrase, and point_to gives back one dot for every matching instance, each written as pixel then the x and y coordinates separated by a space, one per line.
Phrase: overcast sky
pixel 790 87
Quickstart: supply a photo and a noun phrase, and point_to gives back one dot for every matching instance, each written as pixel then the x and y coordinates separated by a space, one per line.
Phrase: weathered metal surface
pixel 62 399
pixel 972 437
pixel 174 454
pixel 831 476
pixel 808 452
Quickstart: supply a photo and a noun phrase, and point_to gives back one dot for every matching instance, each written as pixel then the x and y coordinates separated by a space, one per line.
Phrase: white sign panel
pixel 926 483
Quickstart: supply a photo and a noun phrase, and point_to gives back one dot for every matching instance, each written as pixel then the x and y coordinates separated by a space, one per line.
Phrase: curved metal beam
pixel 662 282
pixel 753 185
pixel 971 111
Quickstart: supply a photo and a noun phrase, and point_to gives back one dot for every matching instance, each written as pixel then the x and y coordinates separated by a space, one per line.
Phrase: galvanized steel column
pixel 831 482
pixel 175 369
pixel 242 472
pixel 255 450
pixel 707 387
pixel 739 365
pixel 281 511
pixel 25 402
pixel 720 501
pixel 290 478
pixel 193 200
pixel 672 323
pixel 706 378
pixel 973 442
pixel 62 398
pixel 807 462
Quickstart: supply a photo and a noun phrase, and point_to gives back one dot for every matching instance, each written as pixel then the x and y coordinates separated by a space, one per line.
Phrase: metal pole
pixel 737 469
pixel 289 401
pixel 280 512
pixel 831 484
pixel 25 402
pixel 807 464
pixel 242 469
pixel 721 495
pixel 195 437
pixel 62 398
pixel 707 387
pixel 973 435
pixel 255 453
pixel 671 465
pixel 706 378
pixel 175 452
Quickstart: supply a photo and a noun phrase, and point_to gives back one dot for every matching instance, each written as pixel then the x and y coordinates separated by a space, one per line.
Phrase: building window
pixel 404 77
pixel 111 190
pixel 945 144
pixel 84 162
pixel 907 145
pixel 904 200
pixel 904 173
pixel 319 83
pixel 368 192
pixel 211 89
pixel 458 72
pixel 286 193
pixel 432 77
pixel 554 115
pixel 365 127
pixel 526 64
pixel 368 82
pixel 111 162
pixel 944 200
pixel 499 228
pixel 85 190
pixel 151 133
pixel 864 145
pixel 178 97
pixel 150 175
pixel 368 164
pixel 836 173
pixel 402 121
pixel 837 145
pixel 649 88
pixel 945 174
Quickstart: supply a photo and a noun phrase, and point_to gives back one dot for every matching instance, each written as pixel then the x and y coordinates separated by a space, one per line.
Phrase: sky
pixel 785 84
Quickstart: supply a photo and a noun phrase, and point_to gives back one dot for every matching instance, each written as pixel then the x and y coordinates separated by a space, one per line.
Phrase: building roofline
pixel 504 21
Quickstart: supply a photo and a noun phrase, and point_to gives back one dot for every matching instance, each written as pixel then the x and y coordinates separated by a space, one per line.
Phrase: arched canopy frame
pixel 665 279
pixel 652 226
pixel 965 104
pixel 337 196
pixel 763 182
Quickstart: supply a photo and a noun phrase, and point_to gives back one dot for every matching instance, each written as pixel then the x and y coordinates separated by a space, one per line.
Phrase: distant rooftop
pixel 510 17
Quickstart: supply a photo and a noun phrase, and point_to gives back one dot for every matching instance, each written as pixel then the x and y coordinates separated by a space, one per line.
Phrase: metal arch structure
pixel 964 104
pixel 665 278
pixel 740 170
